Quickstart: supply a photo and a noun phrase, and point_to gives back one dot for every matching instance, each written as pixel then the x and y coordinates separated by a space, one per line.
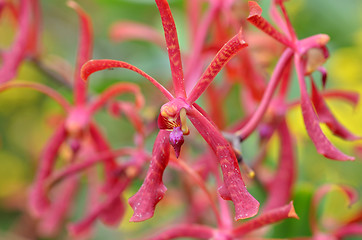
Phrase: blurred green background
pixel 26 116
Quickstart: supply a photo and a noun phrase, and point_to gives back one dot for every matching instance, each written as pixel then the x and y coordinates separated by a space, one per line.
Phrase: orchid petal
pixel 80 166
pixel 326 116
pixel 234 188
pixel 349 96
pixel 173 47
pixel 103 210
pixel 13 57
pixel 272 216
pixel 38 200
pixel 101 145
pixel 349 192
pixel 258 21
pixel 277 18
pixel 349 230
pixel 129 111
pixel 39 87
pixel 117 89
pixel 123 31
pixel 230 49
pixel 93 66
pixel 323 145
pixel 53 218
pixel 84 52
pixel 186 230
pixel 281 187
pixel 267 96
pixel 152 189
pixel 34 44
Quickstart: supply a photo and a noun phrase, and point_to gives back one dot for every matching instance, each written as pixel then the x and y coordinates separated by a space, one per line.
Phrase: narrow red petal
pixel 84 51
pixel 129 111
pixel 13 57
pixel 281 187
pixel 326 116
pixel 103 211
pixel 265 219
pixel 349 230
pixel 232 47
pixel 173 47
pixel 152 189
pixel 258 21
pixel 102 145
pixel 34 39
pixel 115 90
pixel 233 188
pixel 39 87
pixel 123 31
pixel 349 96
pixel 186 230
pixel 38 199
pixel 52 219
pixel 93 66
pixel 323 145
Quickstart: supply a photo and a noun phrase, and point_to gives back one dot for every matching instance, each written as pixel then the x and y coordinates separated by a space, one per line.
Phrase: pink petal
pixel 128 109
pixel 38 199
pixel 325 116
pixel 110 211
pixel 34 41
pixel 234 188
pixel 13 57
pixel 173 47
pixel 349 230
pixel 258 21
pixel 272 216
pixel 349 96
pixel 93 66
pixel 323 145
pixel 123 31
pixel 53 218
pixel 84 52
pixel 102 145
pixel 230 49
pixel 186 230
pixel 38 87
pixel 152 189
pixel 281 187
pixel 115 90
pixel 277 18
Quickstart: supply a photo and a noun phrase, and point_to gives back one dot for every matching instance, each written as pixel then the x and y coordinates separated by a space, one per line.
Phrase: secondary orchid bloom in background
pixel 245 229
pixel 26 41
pixel 339 229
pixel 173 125
pixel 81 135
pixel 309 54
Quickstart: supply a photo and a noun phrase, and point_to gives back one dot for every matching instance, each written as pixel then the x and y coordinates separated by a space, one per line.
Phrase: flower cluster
pixel 223 45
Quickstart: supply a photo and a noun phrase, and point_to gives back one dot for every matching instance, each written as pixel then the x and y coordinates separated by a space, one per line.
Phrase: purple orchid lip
pixel 176 140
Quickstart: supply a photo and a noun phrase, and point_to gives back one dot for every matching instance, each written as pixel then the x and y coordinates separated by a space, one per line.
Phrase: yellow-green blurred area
pixel 27 118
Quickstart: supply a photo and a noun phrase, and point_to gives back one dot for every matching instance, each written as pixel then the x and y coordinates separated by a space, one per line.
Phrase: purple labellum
pixel 176 140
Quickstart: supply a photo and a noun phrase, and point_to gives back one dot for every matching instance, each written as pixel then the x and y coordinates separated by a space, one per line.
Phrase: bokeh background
pixel 27 118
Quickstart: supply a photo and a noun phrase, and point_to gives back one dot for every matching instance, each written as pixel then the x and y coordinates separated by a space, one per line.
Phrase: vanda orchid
pixel 241 165
pixel 173 124
pixel 86 144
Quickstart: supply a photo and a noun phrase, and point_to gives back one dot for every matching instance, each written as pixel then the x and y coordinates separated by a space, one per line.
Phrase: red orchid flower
pixel 205 232
pixel 82 135
pixel 341 230
pixel 172 124
pixel 309 54
pixel 26 41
